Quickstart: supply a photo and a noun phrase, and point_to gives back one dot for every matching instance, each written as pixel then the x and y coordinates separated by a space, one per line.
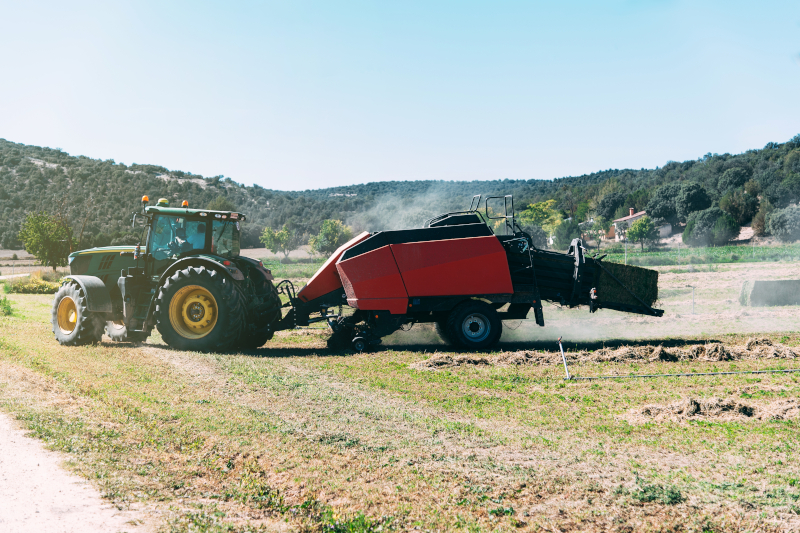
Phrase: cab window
pixel 173 236
pixel 225 238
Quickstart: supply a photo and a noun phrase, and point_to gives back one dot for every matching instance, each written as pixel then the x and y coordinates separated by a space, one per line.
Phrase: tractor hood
pixel 103 250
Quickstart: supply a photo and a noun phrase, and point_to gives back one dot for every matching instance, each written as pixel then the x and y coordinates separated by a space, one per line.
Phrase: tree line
pixel 709 197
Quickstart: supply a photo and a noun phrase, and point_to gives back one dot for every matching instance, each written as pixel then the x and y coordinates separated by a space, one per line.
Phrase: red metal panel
pixel 476 265
pixel 395 306
pixel 372 275
pixel 327 277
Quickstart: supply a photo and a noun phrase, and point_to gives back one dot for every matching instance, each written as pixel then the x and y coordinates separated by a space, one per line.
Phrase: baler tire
pixel 224 304
pixel 443 332
pixel 73 324
pixel 479 317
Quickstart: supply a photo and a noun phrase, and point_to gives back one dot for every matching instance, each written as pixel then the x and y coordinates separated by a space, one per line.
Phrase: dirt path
pixel 37 495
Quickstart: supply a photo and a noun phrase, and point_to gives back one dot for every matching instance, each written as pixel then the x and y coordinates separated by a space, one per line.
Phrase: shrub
pixel 740 205
pixel 32 285
pixel 785 224
pixel 14 257
pixel 710 226
pixel 725 229
pixel 5 307
pixel 658 493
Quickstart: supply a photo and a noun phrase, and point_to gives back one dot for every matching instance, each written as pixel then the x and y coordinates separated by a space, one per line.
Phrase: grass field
pixel 293 437
pixel 718 254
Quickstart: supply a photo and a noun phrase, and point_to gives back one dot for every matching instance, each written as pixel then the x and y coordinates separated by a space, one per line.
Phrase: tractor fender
pixel 229 271
pixel 98 299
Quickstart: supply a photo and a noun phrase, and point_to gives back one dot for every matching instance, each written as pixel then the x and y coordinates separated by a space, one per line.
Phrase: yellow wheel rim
pixel 67 315
pixel 193 312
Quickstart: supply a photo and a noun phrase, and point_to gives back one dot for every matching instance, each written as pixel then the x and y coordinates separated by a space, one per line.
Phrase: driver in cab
pixel 198 239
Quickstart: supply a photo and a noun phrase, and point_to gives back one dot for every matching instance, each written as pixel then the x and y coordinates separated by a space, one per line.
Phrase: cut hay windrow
pixel 643 282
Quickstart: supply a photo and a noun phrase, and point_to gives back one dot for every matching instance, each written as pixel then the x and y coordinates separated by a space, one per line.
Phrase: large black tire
pixel 442 331
pixel 73 324
pixel 117 332
pixel 199 309
pixel 252 338
pixel 474 325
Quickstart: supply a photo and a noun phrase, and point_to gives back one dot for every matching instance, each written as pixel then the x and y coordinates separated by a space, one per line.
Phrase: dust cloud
pixel 394 212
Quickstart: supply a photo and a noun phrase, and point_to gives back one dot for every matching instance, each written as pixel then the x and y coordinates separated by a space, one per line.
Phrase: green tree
pixel 725 229
pixel 332 234
pixel 710 226
pixel 283 241
pixel 610 204
pixel 662 203
pixel 221 203
pixel 582 211
pixel 765 208
pixel 740 205
pixel 621 212
pixel 541 214
pixel 732 179
pixel 538 236
pixel 691 198
pixel 565 232
pixel 599 228
pixel 643 231
pixel 47 238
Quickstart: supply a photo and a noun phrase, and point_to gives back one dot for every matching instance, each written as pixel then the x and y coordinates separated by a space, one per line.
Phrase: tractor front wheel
pixel 474 325
pixel 73 324
pixel 199 309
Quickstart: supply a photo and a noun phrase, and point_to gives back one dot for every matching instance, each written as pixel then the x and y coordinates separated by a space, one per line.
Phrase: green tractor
pixel 188 280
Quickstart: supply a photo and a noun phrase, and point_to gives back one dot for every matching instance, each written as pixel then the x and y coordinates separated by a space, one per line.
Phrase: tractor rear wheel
pixel 73 324
pixel 252 338
pixel 474 325
pixel 199 309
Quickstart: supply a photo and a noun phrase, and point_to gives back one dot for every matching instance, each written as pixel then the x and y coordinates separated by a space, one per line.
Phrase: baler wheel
pixel 359 344
pixel 474 325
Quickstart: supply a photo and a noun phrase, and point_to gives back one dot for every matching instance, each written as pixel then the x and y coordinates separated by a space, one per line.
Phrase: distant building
pixel 617 230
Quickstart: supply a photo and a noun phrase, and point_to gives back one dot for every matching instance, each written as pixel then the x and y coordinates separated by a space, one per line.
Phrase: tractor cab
pixel 176 233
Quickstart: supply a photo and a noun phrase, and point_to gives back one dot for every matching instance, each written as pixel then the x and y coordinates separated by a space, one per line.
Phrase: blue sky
pixel 299 94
